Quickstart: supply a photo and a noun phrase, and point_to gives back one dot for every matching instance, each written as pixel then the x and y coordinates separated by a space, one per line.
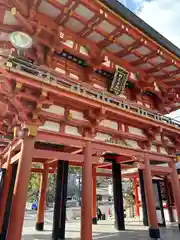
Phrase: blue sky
pixel 133 5
pixel 163 16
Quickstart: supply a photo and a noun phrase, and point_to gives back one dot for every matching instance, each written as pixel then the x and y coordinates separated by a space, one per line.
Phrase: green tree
pixel 51 189
pixel 33 187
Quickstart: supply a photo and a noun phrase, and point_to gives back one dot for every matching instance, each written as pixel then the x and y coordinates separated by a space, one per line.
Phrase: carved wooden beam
pixel 21 5
pixel 23 20
pixel 9 28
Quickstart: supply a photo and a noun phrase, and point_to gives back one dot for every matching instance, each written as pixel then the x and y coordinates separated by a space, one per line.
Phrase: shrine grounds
pixel 104 230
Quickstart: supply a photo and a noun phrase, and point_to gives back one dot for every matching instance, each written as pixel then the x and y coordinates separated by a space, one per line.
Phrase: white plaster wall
pixel 74 76
pixel 55 109
pixel 102 136
pixel 51 126
pixel 147 105
pixel 109 124
pixel 158 137
pixel 140 103
pixel 72 130
pixel 69 43
pixel 77 115
pixel 120 142
pixel 163 150
pixel 136 131
pixel 60 70
pixel 132 144
pixel 83 50
pixel 153 148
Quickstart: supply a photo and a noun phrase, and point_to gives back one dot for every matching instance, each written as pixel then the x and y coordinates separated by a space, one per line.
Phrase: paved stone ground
pixel 104 230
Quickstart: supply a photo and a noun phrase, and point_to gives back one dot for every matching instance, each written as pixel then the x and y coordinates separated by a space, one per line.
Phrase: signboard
pixel 119 81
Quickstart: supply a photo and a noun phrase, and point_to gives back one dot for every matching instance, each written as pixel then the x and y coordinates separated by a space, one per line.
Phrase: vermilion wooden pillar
pixel 86 207
pixel 154 232
pixel 20 190
pixel 94 208
pixel 42 199
pixel 136 197
pixel 5 190
pixel 176 188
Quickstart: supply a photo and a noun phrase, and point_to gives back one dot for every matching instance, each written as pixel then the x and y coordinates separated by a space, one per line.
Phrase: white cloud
pixel 164 16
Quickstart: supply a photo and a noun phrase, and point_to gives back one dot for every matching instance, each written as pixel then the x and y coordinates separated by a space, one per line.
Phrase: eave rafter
pixel 132 47
pixel 8 29
pixel 21 5
pixel 67 35
pixel 38 22
pixel 94 51
pixel 146 58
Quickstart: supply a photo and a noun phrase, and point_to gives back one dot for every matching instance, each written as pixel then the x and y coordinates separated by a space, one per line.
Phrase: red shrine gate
pixel 69 105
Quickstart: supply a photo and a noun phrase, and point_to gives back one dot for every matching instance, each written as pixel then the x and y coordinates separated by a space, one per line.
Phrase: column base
pixel 161 225
pixel 154 233
pixel 94 221
pixel 58 236
pixel 119 228
pixel 39 226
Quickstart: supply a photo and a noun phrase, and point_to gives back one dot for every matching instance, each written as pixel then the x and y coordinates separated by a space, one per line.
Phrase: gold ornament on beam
pixel 178 158
pixel 32 130
pixel 13 11
pixel 70 117
pixel 18 85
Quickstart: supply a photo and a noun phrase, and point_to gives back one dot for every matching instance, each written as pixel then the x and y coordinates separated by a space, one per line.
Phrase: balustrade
pixel 27 68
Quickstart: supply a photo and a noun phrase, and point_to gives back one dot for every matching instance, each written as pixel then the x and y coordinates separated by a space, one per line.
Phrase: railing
pixel 38 73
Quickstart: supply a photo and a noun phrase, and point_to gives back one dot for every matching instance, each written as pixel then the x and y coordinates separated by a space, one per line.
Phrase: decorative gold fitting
pixel 66 10
pixel 13 11
pixel 70 116
pixel 18 85
pixel 32 130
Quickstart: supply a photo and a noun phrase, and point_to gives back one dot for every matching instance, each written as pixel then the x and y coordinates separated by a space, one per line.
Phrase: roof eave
pixel 129 16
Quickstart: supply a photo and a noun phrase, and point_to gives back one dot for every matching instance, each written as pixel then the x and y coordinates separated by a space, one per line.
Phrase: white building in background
pixel 72 178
